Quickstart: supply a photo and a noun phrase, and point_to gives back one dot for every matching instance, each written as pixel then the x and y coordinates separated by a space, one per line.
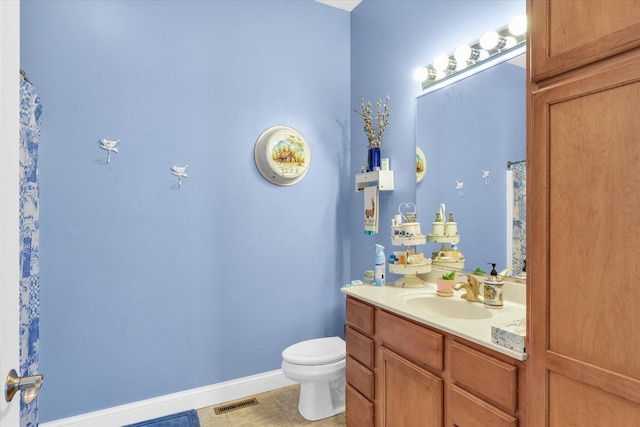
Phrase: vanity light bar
pixel 493 46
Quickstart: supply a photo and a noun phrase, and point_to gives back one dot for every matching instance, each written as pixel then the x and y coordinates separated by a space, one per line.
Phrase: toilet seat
pixel 320 351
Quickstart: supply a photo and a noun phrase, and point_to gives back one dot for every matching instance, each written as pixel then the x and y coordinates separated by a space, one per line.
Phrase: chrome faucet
pixel 472 288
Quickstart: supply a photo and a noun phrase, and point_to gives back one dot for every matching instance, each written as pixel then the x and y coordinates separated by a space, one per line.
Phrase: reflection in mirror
pixel 468 132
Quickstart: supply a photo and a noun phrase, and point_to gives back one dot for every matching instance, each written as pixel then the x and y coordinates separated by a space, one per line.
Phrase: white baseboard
pixel 177 402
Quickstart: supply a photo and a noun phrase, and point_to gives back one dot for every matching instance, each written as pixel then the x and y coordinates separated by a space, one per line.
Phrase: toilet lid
pixel 320 351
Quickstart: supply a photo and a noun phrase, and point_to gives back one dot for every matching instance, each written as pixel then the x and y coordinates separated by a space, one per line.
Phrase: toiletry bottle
pixel 380 270
pixel 493 289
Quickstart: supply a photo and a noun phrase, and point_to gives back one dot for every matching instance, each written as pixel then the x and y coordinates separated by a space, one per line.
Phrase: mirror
pixel 471 127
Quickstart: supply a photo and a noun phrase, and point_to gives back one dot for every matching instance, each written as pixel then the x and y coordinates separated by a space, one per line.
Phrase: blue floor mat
pixel 181 419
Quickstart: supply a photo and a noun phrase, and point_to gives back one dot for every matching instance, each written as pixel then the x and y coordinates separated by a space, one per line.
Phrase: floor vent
pixel 236 405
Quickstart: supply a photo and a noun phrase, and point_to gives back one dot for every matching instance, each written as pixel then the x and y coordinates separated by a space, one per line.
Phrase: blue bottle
pixel 380 270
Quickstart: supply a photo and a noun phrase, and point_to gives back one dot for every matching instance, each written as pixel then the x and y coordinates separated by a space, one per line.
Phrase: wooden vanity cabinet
pixel 403 373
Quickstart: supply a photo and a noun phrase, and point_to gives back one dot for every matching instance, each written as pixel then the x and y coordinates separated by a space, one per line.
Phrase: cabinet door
pixel 584 208
pixel 565 34
pixel 407 395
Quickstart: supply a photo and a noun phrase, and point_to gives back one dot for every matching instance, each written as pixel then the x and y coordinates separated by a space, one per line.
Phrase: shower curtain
pixel 519 251
pixel 30 110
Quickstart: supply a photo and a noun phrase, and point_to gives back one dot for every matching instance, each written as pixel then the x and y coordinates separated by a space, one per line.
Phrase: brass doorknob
pixel 30 386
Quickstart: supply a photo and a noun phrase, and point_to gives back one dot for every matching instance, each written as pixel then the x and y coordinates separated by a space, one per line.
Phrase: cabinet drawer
pixel 486 376
pixel 360 347
pixel 360 378
pixel 409 339
pixel 466 410
pixel 359 412
pixel 360 316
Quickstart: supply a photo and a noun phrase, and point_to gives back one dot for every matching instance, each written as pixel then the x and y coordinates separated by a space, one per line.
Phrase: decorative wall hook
pixel 109 145
pixel 485 176
pixel 180 172
pixel 459 187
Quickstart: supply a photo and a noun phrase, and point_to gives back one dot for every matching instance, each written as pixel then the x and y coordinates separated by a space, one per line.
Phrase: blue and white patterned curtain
pixel 519 215
pixel 30 110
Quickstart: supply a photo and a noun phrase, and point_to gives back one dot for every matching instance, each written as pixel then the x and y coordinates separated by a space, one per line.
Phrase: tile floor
pixel 275 408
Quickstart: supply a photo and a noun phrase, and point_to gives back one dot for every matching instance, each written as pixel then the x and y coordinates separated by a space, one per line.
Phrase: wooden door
pixel 583 249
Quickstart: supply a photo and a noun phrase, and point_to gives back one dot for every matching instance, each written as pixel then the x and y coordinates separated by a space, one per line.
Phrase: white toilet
pixel 319 366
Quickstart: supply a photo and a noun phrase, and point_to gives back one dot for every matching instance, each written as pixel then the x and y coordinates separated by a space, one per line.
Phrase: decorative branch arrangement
pixel 382 121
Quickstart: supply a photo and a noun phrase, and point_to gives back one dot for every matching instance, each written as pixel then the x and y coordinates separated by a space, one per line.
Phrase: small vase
pixel 445 287
pixel 373 159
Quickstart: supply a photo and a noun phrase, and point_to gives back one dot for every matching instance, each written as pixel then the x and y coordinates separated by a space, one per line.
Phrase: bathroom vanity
pixel 414 358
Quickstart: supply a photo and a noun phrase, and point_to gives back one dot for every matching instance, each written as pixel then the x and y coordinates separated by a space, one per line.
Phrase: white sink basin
pixel 451 307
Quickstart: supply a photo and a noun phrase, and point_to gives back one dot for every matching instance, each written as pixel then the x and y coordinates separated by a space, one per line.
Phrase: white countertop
pixel 395 299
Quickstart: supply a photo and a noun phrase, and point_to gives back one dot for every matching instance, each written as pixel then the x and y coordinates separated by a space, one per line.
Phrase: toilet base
pixel 317 401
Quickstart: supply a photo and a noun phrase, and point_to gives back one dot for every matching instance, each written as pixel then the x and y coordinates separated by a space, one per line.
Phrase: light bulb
pixel 489 40
pixel 462 53
pixel 510 42
pixel 518 25
pixel 421 74
pixel 443 62
pixel 465 53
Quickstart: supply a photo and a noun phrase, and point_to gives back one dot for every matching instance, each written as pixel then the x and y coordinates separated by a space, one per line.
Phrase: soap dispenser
pixel 493 289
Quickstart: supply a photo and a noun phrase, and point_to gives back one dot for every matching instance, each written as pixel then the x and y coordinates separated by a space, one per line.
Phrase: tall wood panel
pixel 583 205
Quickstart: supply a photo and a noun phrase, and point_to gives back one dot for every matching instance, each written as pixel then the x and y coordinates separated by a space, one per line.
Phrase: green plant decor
pixel 449 276
pixel 480 272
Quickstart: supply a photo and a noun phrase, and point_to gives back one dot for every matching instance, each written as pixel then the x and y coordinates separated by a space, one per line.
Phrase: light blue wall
pixel 146 289
pixel 389 40
pixel 177 289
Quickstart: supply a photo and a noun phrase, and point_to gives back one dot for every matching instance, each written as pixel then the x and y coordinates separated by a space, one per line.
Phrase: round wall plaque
pixel 282 155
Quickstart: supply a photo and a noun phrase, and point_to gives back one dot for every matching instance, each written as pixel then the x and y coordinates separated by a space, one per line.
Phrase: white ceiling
pixel 347 5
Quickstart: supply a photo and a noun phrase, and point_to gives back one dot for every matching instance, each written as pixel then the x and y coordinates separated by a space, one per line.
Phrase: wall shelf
pixel 382 179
